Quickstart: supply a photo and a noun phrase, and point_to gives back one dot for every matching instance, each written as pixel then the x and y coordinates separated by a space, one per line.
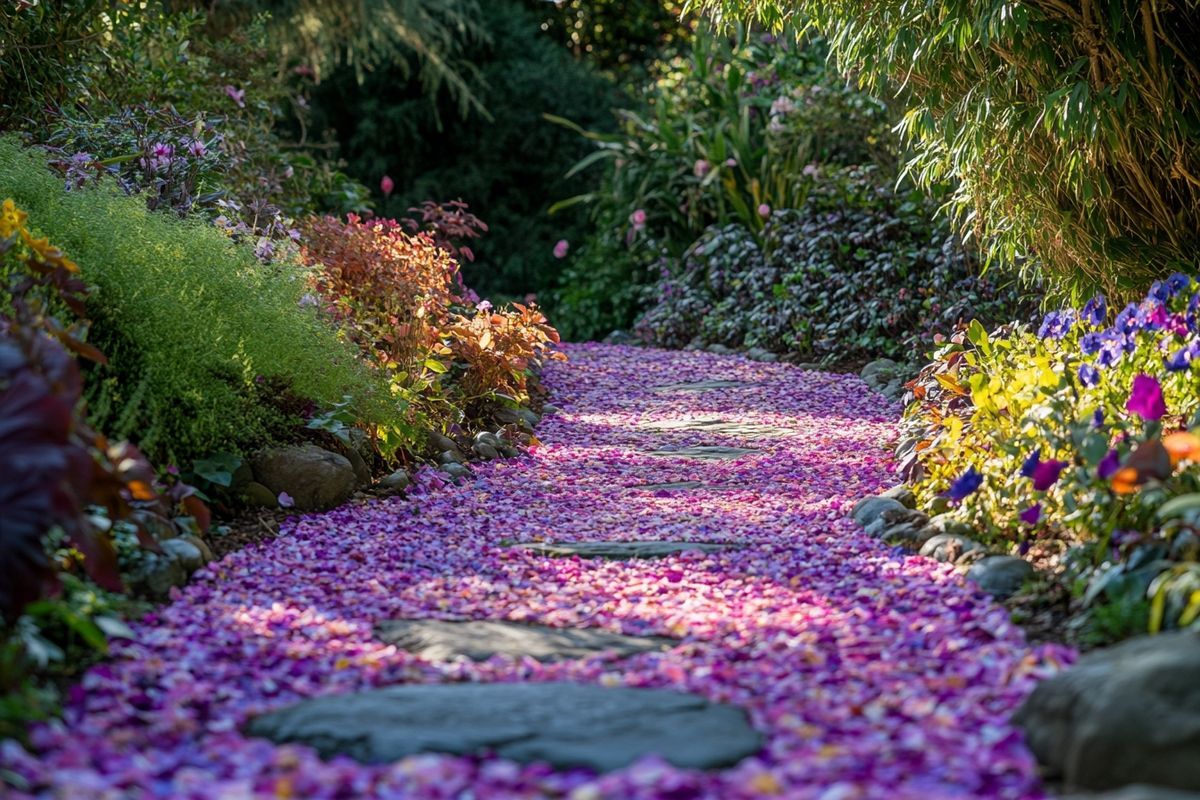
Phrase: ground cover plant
pixel 1081 430
pixel 857 271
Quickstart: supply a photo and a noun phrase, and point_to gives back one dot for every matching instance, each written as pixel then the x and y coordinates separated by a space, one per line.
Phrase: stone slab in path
pixel 623 550
pixel 564 724
pixel 479 640
pixel 725 427
pixel 700 386
pixel 705 453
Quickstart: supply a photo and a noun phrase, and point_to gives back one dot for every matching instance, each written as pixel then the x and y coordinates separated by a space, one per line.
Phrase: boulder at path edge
pixel 313 477
pixel 1124 715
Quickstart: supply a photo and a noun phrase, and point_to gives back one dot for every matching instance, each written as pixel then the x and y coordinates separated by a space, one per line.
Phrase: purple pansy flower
pixel 1046 474
pixel 1088 375
pixel 1031 463
pixel 1031 515
pixel 964 485
pixel 1108 465
pixel 1096 310
pixel 1146 398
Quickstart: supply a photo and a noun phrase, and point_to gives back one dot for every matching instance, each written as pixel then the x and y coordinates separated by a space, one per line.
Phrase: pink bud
pixel 386 184
pixel 764 211
pixel 560 249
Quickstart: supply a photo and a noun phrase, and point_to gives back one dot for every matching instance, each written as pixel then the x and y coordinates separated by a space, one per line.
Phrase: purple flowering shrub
pixel 859 270
pixel 1082 431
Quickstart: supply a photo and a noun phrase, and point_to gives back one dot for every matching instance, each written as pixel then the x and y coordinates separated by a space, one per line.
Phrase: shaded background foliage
pixel 504 159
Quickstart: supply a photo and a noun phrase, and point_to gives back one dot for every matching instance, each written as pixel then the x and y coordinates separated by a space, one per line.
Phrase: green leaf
pixel 1179 506
pixel 433 365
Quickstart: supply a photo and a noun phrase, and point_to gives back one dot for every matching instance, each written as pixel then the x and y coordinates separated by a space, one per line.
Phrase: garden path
pixel 869 672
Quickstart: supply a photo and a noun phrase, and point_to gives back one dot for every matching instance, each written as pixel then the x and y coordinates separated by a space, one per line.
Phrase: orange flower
pixel 1182 446
pixel 1126 480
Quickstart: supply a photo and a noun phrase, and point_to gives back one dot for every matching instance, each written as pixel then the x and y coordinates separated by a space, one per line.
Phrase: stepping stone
pixel 705 453
pixel 478 640
pixel 565 724
pixel 699 386
pixel 722 426
pixel 623 550
pixel 670 487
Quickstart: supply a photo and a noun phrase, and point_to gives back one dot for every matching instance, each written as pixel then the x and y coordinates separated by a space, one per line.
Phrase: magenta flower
pixel 1146 398
pixel 1031 515
pixel 638 219
pixel 764 211
pixel 701 168
pixel 1046 473
pixel 561 249
pixel 387 185
pixel 237 95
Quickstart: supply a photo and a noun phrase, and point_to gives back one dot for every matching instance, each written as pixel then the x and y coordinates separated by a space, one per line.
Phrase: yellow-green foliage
pixel 209 350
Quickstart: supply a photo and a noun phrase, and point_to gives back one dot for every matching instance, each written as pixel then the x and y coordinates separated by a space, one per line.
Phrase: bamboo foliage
pixel 1070 129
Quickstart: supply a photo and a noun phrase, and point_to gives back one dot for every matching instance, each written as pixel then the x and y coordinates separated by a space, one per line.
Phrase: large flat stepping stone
pixel 725 427
pixel 479 640
pixel 705 453
pixel 623 550
pixel 699 386
pixel 673 486
pixel 564 724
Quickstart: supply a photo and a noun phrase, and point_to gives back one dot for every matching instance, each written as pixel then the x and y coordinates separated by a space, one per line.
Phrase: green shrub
pixel 730 132
pixel 859 270
pixel 209 350
pixel 1069 129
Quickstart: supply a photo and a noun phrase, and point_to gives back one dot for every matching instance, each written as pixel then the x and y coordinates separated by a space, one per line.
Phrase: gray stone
pixel 155 575
pixel 719 349
pixel 485 451
pixel 879 368
pixel 748 430
pixel 441 443
pixel 905 533
pixel 517 416
pixel 531 418
pixel 623 550
pixel 488 438
pixel 668 487
pixel 1127 714
pixel 256 495
pixel 359 464
pixel 508 451
pixel 1000 576
pixel 550 408
pixel 902 495
pixel 315 478
pixel 949 547
pixel 398 481
pixel 870 509
pixel 457 471
pixel 700 386
pixel 704 453
pixel 565 724
pixel 449 457
pixel 620 337
pixel 761 354
pixel 1138 791
pixel 948 523
pixel 479 640
pixel 206 552
pixel 186 553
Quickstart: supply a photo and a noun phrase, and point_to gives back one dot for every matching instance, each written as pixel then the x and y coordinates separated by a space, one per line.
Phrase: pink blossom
pixel 238 95
pixel 638 219
pixel 701 168
pixel 561 248
pixel 387 185
pixel 764 211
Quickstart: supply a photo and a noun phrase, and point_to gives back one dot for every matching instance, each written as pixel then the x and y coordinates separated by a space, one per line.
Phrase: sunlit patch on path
pixel 862 671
